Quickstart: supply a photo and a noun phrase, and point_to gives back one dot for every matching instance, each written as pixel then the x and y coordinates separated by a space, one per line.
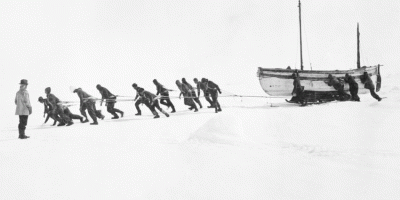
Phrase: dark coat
pixel 106 94
pixel 83 96
pixel 161 89
pixel 148 96
pixel 351 81
pixel 333 81
pixel 52 100
pixel 297 88
pixel 366 79
pixel 212 87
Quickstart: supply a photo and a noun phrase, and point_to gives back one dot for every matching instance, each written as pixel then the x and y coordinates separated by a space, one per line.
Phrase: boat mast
pixel 358 48
pixel 301 47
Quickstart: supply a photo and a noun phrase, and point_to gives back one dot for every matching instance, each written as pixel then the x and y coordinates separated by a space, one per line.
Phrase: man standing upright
pixel 24 108
pixel 110 101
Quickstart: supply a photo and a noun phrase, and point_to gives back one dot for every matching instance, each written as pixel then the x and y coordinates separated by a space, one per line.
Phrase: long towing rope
pixel 132 98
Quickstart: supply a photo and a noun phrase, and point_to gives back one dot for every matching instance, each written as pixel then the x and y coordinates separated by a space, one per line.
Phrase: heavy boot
pixel 195 108
pixel 115 116
pixel 173 109
pixel 139 113
pixel 61 123
pixel 70 123
pixel 94 123
pixel 165 113
pixel 86 120
pixel 22 134
pixel 122 114
pixel 155 115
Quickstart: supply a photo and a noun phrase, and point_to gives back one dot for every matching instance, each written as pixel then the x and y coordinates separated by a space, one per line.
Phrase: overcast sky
pixel 115 43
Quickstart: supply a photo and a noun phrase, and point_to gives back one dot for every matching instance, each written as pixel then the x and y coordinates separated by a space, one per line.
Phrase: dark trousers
pixel 58 114
pixel 154 106
pixel 214 97
pixel 23 121
pixel 207 96
pixel 111 109
pixel 70 115
pixel 196 99
pixel 373 94
pixel 354 93
pixel 137 104
pixel 91 107
pixel 165 100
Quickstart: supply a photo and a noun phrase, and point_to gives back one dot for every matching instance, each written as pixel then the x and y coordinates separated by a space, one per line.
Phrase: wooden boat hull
pixel 279 82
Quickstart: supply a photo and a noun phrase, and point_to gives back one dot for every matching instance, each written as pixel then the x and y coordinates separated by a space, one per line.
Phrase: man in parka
pixel 188 100
pixel 192 92
pixel 87 102
pixel 353 87
pixel 368 84
pixel 165 100
pixel 298 89
pixel 213 89
pixel 110 101
pixel 138 99
pixel 201 86
pixel 56 110
pixel 150 99
pixel 24 108
pixel 339 86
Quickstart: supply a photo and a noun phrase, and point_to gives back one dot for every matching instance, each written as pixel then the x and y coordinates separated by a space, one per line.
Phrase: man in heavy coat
pixel 201 86
pixel 333 81
pixel 165 100
pixel 110 101
pixel 24 108
pixel 150 99
pixel 188 99
pixel 298 89
pixel 192 92
pixel 56 110
pixel 353 87
pixel 368 84
pixel 138 99
pixel 213 89
pixel 87 102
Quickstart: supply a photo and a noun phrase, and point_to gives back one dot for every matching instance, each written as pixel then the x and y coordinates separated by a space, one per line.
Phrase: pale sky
pixel 115 43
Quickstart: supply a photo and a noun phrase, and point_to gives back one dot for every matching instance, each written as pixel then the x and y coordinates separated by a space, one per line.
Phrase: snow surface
pixel 256 148
pixel 253 149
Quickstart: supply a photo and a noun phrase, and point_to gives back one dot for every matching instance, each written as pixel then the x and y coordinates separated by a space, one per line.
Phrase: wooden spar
pixel 301 46
pixel 358 48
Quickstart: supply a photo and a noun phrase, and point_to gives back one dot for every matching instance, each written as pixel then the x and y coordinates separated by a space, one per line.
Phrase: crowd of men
pixel 57 110
pixel 338 85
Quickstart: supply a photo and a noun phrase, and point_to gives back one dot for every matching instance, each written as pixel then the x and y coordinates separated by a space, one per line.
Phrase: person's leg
pixel 23 121
pixel 137 103
pixel 157 105
pixel 111 110
pixel 92 112
pixel 373 94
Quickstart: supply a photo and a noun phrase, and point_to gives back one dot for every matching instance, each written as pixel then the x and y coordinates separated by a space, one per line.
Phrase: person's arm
pixel 27 102
pixel 47 118
pixel 219 90
pixel 158 89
